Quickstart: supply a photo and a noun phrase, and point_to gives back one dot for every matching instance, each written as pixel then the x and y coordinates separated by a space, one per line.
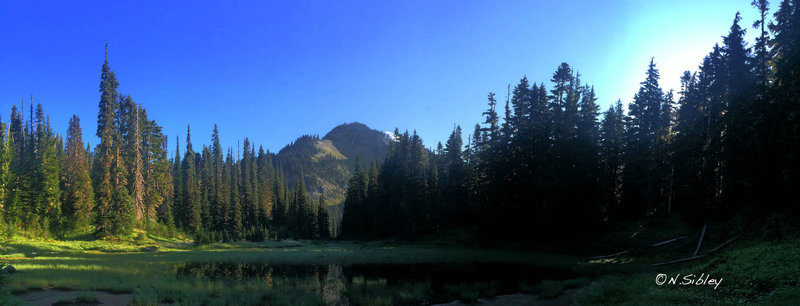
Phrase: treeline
pixel 552 168
pixel 48 188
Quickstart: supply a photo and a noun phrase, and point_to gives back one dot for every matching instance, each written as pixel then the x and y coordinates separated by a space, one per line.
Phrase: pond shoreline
pixel 304 272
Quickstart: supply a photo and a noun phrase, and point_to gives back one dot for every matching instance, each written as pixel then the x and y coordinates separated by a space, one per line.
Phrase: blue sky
pixel 275 70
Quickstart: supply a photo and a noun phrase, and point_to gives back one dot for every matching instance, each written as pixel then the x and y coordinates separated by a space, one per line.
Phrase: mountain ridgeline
pixel 326 164
pixel 51 189
pixel 543 167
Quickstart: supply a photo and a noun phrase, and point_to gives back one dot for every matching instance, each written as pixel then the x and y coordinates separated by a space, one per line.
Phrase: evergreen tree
pixel 123 216
pixel 645 125
pixel 354 213
pixel 6 176
pixel 104 153
pixel 562 82
pixel 249 200
pixel 264 163
pixel 158 182
pixel 130 133
pixel 736 149
pixel 46 167
pixel 220 195
pixel 191 195
pixel 237 224
pixel 179 208
pixel 492 121
pixel 78 196
pixel 452 175
pixel 761 61
pixel 16 140
pixel 223 212
pixel 207 187
pixel 611 154
pixel 323 230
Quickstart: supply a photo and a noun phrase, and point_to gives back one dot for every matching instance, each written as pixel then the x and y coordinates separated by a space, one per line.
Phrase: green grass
pixel 86 298
pixel 470 292
pixel 120 266
pixel 755 272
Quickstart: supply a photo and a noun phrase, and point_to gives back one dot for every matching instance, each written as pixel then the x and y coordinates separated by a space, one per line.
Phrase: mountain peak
pixel 327 163
pixel 358 139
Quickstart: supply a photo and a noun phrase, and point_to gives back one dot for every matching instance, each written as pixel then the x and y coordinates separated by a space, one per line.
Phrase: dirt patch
pixel 63 297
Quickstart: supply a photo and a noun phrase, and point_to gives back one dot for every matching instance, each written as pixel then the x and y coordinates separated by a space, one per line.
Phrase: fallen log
pixel 714 250
pixel 610 255
pixel 667 241
pixel 709 252
pixel 699 243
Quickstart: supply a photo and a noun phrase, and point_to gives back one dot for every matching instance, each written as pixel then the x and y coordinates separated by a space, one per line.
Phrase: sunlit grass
pixel 151 278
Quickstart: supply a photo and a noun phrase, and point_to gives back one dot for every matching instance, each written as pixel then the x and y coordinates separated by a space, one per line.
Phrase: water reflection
pixel 383 283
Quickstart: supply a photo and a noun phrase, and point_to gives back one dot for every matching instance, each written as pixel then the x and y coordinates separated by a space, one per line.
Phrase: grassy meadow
pixel 154 270
pixel 149 270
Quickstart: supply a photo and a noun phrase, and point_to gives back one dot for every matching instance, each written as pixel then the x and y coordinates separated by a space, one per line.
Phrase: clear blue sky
pixel 274 70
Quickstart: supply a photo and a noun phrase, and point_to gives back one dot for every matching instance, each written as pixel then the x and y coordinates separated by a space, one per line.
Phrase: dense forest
pixel 127 181
pixel 726 145
pixel 546 165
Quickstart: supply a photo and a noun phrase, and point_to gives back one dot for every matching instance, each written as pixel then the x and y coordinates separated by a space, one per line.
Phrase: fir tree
pixel 191 195
pixel 6 177
pixel 104 153
pixel 645 125
pixel 78 196
pixel 179 208
pixel 323 227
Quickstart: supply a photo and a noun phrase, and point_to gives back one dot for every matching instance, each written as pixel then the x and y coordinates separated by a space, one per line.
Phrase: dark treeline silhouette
pixel 552 169
pixel 128 181
pixel 542 165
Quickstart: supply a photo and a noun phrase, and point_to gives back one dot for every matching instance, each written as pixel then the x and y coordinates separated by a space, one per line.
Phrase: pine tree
pixel 264 163
pixel 16 140
pixel 521 103
pixel 128 122
pixel 44 207
pixel 279 218
pixel 6 177
pixel 352 225
pixel 158 182
pixel 778 176
pixel 643 142
pixel 761 61
pixel 323 230
pixel 137 185
pixel 123 210
pixel 249 210
pixel 736 149
pixel 223 212
pixel 104 153
pixel 179 207
pixel 562 82
pixel 78 196
pixel 587 116
pixel 236 225
pixel 220 193
pixel 207 187
pixel 191 195
pixel 452 175
pixel 491 122
pixel 611 154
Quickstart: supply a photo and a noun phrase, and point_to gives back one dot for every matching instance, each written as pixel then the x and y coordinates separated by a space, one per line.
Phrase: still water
pixel 396 283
